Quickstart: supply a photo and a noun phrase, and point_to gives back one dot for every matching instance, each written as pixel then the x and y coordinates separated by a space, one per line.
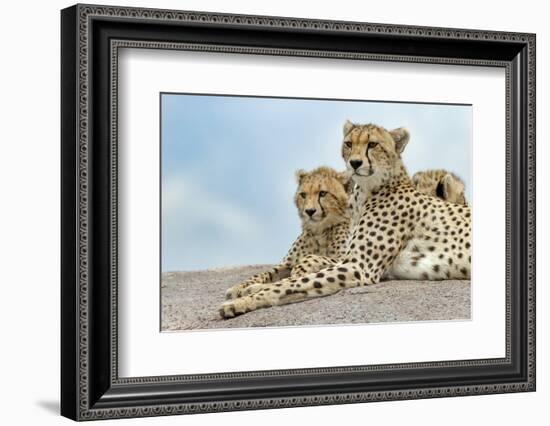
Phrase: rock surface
pixel 190 301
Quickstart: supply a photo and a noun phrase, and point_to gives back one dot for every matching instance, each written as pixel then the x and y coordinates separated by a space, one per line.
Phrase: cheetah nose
pixel 356 164
pixel 310 212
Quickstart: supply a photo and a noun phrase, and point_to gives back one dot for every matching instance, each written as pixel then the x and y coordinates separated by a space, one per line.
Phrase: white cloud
pixel 186 202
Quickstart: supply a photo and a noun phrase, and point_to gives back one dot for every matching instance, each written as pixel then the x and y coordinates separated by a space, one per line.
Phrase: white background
pixel 146 352
pixel 29 225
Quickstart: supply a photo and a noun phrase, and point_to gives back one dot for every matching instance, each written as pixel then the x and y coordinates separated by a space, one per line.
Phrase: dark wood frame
pixel 91 37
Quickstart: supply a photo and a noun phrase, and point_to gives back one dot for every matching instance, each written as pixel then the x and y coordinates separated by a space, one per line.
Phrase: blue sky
pixel 228 167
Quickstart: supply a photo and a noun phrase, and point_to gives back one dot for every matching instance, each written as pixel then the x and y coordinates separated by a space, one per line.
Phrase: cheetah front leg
pixel 277 273
pixel 308 264
pixel 311 263
pixel 290 290
pixel 274 274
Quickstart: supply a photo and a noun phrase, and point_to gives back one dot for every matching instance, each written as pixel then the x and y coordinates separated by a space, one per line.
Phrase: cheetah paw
pixel 232 308
pixel 233 293
pixel 242 290
pixel 237 291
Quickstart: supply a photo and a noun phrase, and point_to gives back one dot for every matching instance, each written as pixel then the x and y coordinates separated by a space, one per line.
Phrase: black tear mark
pixel 323 213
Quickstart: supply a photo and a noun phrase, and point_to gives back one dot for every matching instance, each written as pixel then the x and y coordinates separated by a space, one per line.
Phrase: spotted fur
pixel 397 231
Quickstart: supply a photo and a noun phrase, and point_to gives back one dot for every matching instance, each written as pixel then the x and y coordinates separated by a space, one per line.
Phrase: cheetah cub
pixel 397 231
pixel 441 184
pixel 321 199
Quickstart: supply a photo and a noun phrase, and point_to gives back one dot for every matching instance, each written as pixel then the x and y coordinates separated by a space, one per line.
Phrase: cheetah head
pixel 321 197
pixel 371 151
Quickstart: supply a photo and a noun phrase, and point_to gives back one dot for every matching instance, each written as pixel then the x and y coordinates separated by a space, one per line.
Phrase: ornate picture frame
pixel 91 37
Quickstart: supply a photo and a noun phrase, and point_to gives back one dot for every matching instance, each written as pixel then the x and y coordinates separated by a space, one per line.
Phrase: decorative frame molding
pixel 91 37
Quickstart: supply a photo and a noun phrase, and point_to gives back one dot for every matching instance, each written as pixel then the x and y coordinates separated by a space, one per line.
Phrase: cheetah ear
pixel 346 180
pixel 451 185
pixel 300 174
pixel 401 138
pixel 348 126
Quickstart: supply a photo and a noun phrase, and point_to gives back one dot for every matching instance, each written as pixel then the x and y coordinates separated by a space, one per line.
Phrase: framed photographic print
pixel 263 212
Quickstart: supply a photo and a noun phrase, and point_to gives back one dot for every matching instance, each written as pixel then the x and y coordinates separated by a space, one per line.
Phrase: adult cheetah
pixel 321 199
pixel 442 184
pixel 397 231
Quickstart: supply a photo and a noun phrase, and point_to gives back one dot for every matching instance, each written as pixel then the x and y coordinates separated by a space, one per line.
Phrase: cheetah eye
pixel 370 145
pixel 348 144
pixel 322 193
pixel 303 194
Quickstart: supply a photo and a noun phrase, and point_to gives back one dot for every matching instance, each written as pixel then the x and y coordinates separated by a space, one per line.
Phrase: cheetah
pixel 442 184
pixel 396 231
pixel 321 200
